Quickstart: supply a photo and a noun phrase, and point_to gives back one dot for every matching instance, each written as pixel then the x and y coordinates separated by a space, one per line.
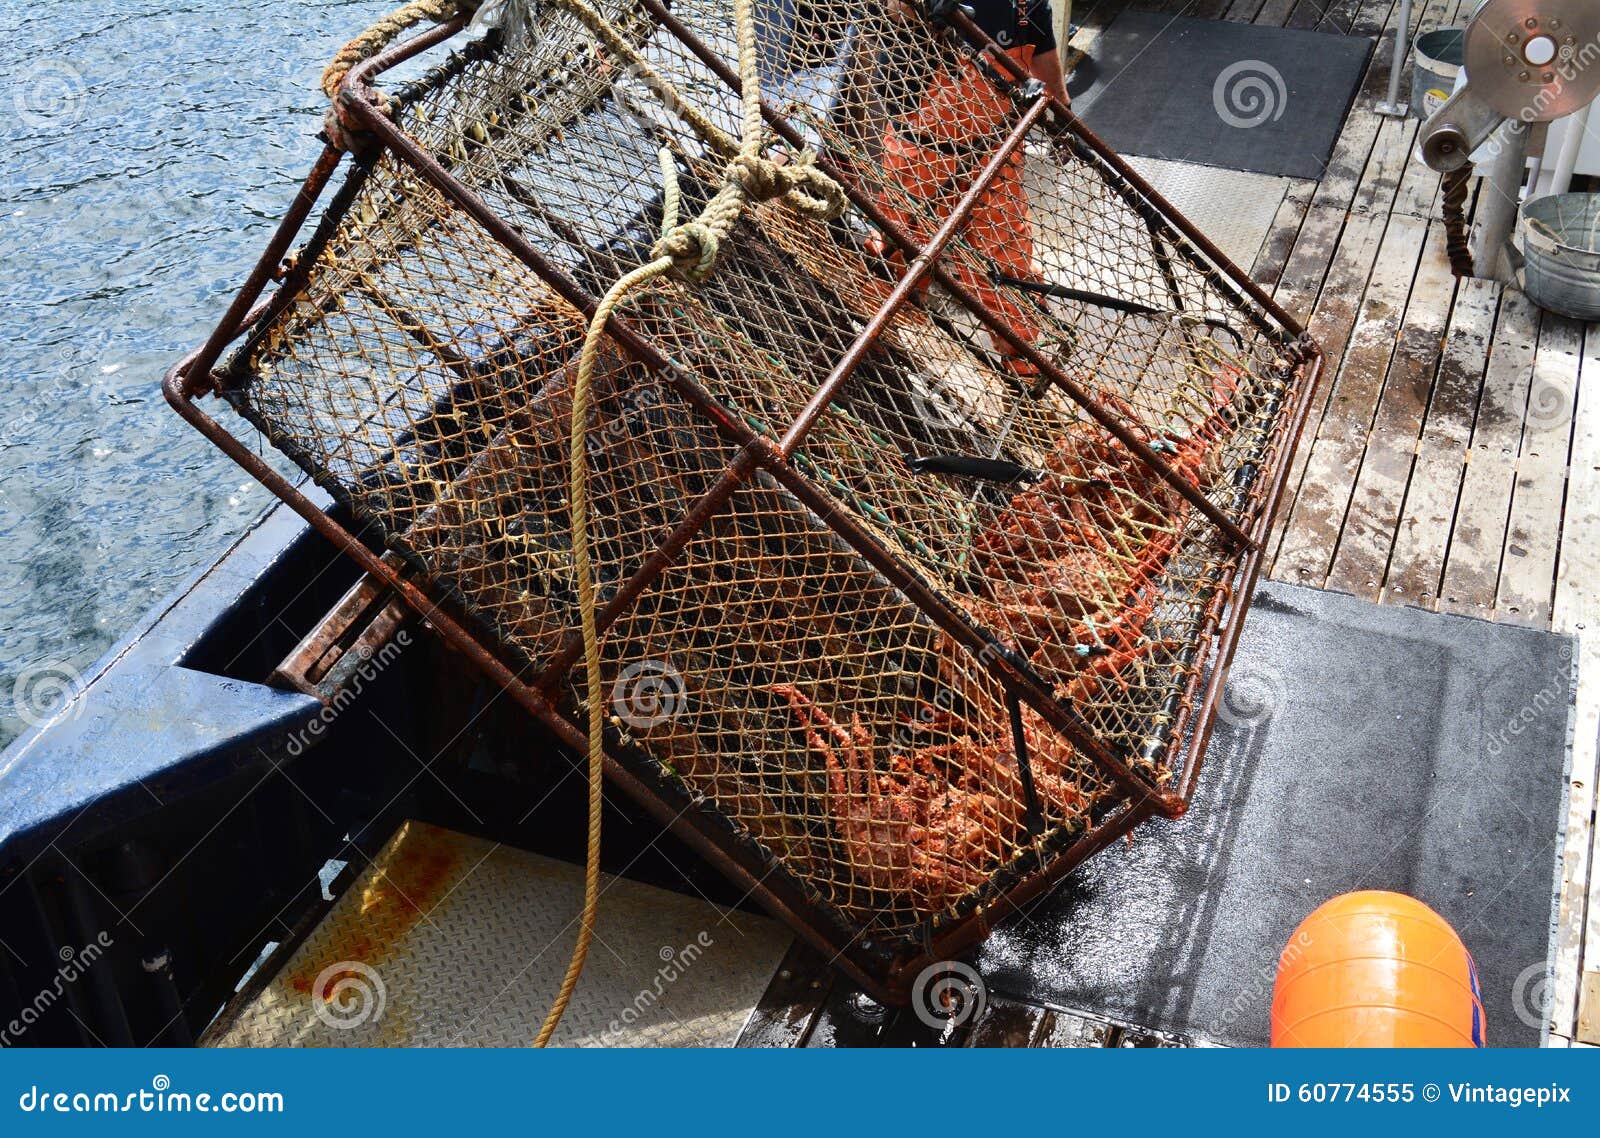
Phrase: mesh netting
pixel 421 370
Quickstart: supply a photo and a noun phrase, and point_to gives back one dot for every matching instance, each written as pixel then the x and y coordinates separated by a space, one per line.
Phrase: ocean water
pixel 148 151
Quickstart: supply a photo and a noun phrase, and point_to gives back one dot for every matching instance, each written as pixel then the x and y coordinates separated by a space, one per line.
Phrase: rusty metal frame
pixel 885 976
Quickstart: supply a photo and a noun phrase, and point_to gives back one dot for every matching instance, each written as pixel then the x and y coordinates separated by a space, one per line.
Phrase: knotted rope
pixel 690 249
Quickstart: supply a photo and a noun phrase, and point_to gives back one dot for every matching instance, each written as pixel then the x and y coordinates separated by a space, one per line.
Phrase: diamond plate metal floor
pixel 448 940
pixel 1233 208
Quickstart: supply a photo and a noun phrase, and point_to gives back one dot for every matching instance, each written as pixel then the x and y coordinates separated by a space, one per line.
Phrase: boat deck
pixel 1453 459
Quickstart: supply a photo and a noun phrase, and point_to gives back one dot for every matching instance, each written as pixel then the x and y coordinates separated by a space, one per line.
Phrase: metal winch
pixel 1530 61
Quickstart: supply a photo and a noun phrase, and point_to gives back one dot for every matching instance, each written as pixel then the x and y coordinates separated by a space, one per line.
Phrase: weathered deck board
pixel 1416 565
pixel 1319 512
pixel 1577 611
pixel 1472 569
pixel 1453 458
pixel 1361 556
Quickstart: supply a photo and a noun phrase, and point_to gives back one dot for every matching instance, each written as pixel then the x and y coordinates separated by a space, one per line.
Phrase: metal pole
pixel 1392 107
pixel 1501 198
pixel 1577 127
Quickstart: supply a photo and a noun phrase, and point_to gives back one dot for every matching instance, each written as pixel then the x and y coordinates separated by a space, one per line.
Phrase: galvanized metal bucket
pixel 1439 59
pixel 1561 240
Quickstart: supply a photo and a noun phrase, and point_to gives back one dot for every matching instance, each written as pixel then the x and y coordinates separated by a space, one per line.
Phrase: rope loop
pixel 805 187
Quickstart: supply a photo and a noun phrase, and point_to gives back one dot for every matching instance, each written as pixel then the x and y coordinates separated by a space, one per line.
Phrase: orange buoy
pixel 1376 969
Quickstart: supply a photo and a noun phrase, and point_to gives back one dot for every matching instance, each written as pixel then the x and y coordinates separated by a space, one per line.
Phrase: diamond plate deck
pixel 1233 208
pixel 449 940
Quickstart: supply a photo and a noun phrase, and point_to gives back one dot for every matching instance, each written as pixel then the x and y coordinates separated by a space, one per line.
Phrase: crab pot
pixel 922 535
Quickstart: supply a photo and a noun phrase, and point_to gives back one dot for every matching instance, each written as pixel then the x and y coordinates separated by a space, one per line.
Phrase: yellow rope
pixel 690 248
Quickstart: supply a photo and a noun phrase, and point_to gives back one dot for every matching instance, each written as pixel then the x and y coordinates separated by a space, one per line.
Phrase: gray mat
pixel 1360 747
pixel 1262 99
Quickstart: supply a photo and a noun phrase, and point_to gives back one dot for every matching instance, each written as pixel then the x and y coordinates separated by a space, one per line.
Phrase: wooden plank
pixel 784 1014
pixel 1589 1010
pixel 1312 533
pixel 1361 558
pixel 1526 588
pixel 1416 567
pixel 1273 258
pixel 1386 166
pixel 1063 1029
pixel 1577 612
pixel 1472 566
pixel 1275 13
pixel 1340 278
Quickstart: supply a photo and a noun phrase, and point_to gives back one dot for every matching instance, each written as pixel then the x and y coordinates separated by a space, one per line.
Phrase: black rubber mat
pixel 1263 99
pixel 1360 747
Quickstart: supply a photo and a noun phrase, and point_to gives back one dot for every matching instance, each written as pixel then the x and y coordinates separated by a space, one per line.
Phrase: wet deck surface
pixel 1452 464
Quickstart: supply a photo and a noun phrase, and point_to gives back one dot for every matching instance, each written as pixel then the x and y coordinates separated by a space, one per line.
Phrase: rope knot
pixel 691 247
pixel 805 187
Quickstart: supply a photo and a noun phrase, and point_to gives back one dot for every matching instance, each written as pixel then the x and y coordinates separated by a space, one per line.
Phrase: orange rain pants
pixel 934 154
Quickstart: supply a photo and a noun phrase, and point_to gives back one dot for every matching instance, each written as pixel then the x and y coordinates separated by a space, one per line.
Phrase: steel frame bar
pixel 194 375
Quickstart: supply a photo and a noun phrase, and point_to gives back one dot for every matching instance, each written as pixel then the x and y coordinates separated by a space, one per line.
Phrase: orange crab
pixel 1092 537
pixel 936 825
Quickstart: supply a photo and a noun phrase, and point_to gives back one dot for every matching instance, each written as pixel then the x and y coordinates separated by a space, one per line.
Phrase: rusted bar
pixel 757 452
pixel 1249 574
pixel 996 323
pixel 908 282
pixel 277 248
pixel 568 289
pixel 972 931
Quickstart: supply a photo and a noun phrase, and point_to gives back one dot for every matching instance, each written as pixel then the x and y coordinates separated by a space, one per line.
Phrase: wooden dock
pixel 1453 459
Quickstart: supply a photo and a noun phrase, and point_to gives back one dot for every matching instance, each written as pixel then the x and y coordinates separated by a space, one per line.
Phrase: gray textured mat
pixel 1263 99
pixel 1361 747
